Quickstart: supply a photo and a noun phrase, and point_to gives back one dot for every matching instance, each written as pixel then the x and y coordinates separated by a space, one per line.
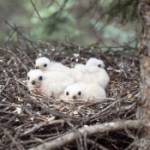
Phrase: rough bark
pixel 143 111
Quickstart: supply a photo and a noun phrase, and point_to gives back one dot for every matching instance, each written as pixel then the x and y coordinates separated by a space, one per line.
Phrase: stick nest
pixel 28 119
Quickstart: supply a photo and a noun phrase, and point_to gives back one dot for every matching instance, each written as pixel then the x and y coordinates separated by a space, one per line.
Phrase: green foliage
pixel 116 32
pixel 125 10
pixel 58 22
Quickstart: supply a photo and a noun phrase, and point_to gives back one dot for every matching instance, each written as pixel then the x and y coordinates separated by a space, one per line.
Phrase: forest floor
pixel 28 120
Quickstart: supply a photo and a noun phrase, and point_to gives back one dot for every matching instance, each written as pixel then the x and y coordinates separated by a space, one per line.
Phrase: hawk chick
pixel 85 92
pixel 98 74
pixel 55 83
pixel 81 68
pixel 45 64
pixel 34 78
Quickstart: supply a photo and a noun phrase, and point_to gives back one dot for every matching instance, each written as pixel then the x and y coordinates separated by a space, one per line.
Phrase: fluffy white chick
pixel 86 92
pixel 81 68
pixel 82 74
pixel 55 83
pixel 35 78
pixel 95 61
pixel 76 74
pixel 44 64
pixel 98 74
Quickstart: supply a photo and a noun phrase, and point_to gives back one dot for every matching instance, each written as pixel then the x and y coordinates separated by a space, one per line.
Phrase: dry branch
pixel 98 128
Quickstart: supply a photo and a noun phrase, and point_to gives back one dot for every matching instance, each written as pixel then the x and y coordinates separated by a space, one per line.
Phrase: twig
pixel 96 144
pixel 12 113
pixel 5 86
pixel 36 10
pixel 99 128
pixel 57 3
pixel 46 123
pixel 13 140
pixel 96 115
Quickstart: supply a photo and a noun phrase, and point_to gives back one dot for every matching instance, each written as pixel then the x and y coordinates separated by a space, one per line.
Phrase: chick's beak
pixel 74 97
pixel 36 67
pixel 33 82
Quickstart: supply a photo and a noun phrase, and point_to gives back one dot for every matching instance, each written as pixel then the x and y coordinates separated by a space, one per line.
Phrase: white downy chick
pixel 76 74
pixel 55 83
pixel 86 92
pixel 45 64
pixel 95 61
pixel 82 74
pixel 98 74
pixel 35 78
pixel 81 68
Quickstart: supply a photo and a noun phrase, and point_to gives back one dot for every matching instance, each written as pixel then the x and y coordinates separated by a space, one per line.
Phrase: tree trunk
pixel 143 111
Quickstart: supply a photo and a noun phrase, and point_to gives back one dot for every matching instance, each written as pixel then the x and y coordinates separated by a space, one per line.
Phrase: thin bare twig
pixel 36 10
pixel 96 144
pixel 13 140
pixel 45 123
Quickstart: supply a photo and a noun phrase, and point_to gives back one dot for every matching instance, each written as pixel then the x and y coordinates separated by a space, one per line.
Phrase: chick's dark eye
pixel 40 78
pixel 67 93
pixel 79 93
pixel 45 65
pixel 28 78
pixel 99 66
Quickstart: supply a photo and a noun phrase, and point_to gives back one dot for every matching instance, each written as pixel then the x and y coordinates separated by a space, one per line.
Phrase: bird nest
pixel 30 119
